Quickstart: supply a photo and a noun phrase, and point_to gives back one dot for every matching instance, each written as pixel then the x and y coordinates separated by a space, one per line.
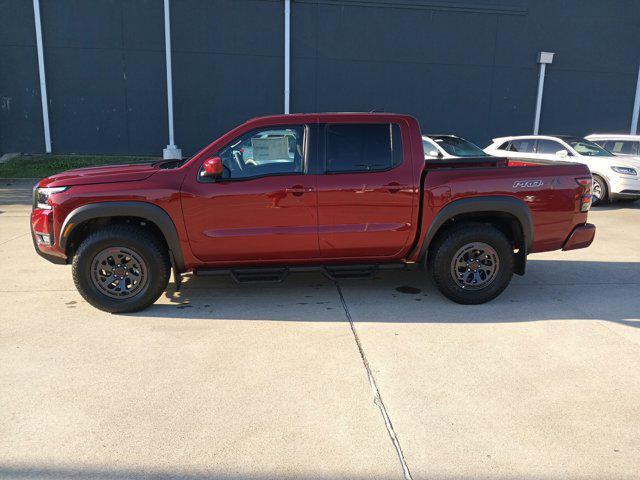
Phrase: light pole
pixel 171 152
pixel 544 58
pixel 636 108
pixel 287 54
pixel 43 81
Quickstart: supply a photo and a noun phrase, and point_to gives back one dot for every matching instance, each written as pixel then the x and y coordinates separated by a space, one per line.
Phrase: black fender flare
pixel 144 210
pixel 483 204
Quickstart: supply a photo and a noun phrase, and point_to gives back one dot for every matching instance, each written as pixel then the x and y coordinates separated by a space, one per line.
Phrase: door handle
pixel 297 190
pixel 395 187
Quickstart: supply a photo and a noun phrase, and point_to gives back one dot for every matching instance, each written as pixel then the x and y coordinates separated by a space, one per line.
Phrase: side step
pixel 345 272
pixel 278 274
pixel 259 275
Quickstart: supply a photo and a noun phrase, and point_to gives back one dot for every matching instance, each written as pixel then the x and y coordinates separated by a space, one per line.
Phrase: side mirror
pixel 212 168
pixel 434 154
pixel 562 153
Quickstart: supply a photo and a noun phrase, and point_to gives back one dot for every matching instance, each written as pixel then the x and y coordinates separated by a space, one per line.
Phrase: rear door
pixel 365 190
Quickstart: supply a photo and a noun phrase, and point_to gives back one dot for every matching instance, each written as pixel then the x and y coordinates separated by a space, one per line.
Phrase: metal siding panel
pixel 459 66
pixel 228 66
pixel 20 109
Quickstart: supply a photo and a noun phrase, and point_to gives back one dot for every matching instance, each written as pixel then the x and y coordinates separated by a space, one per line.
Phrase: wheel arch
pixel 509 214
pixel 152 216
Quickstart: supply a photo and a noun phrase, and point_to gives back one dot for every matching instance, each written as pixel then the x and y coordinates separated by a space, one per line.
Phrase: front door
pixel 264 207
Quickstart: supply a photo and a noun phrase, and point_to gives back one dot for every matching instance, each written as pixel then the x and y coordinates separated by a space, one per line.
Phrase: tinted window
pixel 362 147
pixel 272 151
pixel 504 146
pixel 548 147
pixel 622 147
pixel 430 151
pixel 522 146
pixel 458 147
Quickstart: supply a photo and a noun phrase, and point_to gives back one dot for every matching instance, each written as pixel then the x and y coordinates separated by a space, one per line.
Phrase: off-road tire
pixel 142 243
pixel 445 249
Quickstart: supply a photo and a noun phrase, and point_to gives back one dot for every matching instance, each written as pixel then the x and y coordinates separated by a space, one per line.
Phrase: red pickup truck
pixel 343 193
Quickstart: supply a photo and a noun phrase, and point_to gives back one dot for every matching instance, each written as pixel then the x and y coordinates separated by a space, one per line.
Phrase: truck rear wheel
pixel 472 263
pixel 121 269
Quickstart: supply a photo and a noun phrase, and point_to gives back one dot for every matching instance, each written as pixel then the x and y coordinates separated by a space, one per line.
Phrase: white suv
pixel 614 177
pixel 619 145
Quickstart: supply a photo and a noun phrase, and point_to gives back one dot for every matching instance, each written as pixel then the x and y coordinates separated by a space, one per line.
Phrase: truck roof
pixel 328 116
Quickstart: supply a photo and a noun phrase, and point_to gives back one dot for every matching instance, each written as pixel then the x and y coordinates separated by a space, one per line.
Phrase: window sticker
pixel 270 148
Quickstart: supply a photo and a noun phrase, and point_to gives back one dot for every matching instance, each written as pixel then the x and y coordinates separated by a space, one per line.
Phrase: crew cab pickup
pixel 343 193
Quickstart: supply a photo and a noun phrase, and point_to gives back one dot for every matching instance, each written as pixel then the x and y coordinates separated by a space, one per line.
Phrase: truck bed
pixel 549 189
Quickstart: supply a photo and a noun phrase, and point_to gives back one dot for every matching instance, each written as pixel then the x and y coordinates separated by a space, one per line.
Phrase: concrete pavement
pixel 226 381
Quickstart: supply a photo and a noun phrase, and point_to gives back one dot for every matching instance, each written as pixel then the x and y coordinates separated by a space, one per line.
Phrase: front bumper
pixel 41 230
pixel 581 237
pixel 625 186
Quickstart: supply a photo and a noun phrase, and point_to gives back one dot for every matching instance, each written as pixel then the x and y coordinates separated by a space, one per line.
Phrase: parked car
pixel 622 145
pixel 614 178
pixel 359 197
pixel 449 146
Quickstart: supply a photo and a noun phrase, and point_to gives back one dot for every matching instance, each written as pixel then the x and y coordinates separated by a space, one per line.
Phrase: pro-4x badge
pixel 528 183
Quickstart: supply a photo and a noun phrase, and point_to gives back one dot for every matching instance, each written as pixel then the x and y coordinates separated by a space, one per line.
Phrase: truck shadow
pixel 551 290
pixel 618 205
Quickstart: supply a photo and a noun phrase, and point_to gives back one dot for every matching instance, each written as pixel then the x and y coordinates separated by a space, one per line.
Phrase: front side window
pixel 458 147
pixel 262 152
pixel 355 147
pixel 522 145
pixel 587 148
pixel 548 147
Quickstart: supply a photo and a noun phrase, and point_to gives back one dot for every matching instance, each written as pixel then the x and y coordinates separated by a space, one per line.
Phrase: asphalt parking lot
pixel 228 382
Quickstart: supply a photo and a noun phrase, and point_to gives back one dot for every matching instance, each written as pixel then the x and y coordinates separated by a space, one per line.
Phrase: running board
pixel 278 274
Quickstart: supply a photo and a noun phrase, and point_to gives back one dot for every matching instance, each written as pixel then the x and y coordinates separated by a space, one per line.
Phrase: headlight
pixel 42 196
pixel 624 170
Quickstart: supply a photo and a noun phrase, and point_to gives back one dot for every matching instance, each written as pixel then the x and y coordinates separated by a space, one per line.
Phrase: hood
pixel 624 162
pixel 105 174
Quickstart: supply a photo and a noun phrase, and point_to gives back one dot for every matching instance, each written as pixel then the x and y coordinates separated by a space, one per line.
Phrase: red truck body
pixel 314 217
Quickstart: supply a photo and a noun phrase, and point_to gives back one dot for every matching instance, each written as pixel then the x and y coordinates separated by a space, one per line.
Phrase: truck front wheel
pixel 121 269
pixel 472 263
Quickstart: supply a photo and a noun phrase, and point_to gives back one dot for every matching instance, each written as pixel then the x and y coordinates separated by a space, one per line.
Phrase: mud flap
pixel 177 277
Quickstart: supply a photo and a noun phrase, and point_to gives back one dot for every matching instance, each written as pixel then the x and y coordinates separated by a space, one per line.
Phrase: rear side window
pixel 366 147
pixel 522 146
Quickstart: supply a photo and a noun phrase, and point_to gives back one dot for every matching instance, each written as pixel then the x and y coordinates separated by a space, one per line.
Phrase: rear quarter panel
pixel 550 191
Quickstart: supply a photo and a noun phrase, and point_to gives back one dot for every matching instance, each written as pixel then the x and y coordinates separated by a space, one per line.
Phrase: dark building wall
pixel 470 70
pixel 20 106
pixel 105 72
pixel 228 65
pixel 466 67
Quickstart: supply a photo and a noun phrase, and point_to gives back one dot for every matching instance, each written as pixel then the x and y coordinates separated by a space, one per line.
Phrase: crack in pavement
pixel 14 238
pixel 377 398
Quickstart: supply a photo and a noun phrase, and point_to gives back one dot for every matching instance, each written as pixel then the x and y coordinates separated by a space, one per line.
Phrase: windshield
pixel 587 148
pixel 457 146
